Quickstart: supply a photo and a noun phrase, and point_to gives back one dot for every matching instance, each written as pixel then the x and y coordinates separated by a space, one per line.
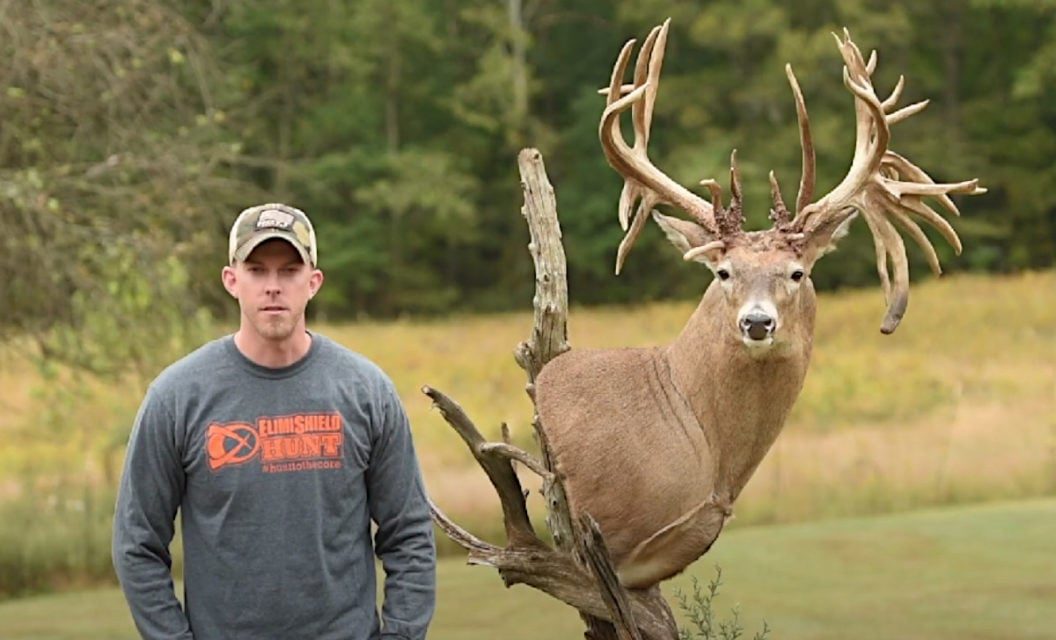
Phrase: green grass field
pixel 967 573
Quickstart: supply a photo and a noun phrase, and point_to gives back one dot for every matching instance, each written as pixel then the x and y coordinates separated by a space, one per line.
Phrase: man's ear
pixel 691 239
pixel 824 238
pixel 315 282
pixel 229 278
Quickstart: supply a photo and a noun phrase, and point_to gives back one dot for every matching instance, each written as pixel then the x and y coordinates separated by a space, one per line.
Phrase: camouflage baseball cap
pixel 266 221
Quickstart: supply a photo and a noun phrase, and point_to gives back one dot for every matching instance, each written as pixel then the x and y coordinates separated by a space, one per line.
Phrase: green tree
pixel 111 178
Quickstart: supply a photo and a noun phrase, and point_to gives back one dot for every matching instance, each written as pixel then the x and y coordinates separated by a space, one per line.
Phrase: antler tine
pixel 650 62
pixel 896 93
pixel 904 167
pixel 905 112
pixel 886 188
pixel 641 117
pixel 731 219
pixel 913 229
pixel 624 88
pixel 716 193
pixel 779 214
pixel 645 186
pixel 735 179
pixel 806 180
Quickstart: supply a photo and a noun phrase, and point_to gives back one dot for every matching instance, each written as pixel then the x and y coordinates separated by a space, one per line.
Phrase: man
pixel 279 447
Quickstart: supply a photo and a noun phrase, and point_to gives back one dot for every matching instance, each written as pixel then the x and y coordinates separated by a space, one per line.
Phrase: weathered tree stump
pixel 578 571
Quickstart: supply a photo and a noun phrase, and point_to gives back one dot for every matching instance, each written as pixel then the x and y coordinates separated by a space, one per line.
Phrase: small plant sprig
pixel 698 609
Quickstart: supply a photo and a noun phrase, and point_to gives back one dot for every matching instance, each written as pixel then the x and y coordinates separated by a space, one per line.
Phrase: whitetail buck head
pixel 656 444
pixel 760 272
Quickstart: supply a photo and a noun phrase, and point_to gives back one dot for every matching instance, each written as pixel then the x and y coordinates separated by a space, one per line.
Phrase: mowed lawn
pixel 967 573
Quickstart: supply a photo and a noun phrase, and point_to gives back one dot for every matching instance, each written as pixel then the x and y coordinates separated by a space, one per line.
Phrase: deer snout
pixel 757 326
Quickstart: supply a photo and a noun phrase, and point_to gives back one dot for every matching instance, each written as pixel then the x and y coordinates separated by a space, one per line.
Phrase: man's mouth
pixel 273 308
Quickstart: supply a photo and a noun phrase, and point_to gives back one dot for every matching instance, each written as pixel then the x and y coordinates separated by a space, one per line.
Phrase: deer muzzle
pixel 757 326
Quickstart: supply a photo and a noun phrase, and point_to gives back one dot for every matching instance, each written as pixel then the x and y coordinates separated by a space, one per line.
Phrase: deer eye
pixel 797 275
pixel 723 274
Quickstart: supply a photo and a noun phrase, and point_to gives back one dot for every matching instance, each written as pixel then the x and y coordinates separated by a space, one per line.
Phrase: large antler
pixel 881 185
pixel 644 185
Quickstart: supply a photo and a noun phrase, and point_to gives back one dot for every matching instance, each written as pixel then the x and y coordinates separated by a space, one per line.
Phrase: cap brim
pixel 259 238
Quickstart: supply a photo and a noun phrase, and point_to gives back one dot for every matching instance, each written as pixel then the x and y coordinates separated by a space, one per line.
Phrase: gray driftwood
pixel 577 570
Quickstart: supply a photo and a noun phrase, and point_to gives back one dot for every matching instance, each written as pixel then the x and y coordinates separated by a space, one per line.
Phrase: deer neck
pixel 741 399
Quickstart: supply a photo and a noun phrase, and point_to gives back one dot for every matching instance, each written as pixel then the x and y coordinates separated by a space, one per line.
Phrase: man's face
pixel 273 286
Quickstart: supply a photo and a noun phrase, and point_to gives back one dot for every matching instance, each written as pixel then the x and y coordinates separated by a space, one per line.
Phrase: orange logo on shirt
pixel 232 443
pixel 299 442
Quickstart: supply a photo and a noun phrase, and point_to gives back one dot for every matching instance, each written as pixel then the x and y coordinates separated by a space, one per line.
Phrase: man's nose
pixel 271 284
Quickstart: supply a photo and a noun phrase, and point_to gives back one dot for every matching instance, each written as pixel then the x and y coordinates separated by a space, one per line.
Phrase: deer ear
pixel 824 238
pixel 688 237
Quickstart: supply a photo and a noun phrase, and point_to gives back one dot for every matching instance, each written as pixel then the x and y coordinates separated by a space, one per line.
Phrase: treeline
pixel 134 130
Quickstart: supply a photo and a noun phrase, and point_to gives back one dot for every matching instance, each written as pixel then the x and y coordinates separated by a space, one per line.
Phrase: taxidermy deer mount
pixel 644 451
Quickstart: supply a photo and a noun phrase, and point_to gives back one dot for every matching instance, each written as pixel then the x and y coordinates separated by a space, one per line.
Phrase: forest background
pixel 133 131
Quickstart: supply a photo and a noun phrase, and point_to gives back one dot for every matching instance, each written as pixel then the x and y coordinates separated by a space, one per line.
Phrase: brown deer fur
pixel 677 427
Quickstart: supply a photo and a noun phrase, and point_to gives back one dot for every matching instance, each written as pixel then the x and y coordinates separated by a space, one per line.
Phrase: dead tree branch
pixel 579 572
pixel 519 530
pixel 549 337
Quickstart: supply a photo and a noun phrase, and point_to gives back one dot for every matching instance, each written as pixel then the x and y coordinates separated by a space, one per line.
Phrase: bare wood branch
pixel 556 574
pixel 549 337
pixel 527 560
pixel 519 530
pixel 559 575
pixel 596 556
pixel 519 455
pixel 464 538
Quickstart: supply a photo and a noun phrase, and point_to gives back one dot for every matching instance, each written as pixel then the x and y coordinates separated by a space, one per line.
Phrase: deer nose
pixel 757 326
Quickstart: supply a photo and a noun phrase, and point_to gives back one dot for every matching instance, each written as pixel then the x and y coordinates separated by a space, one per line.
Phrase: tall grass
pixel 60 541
pixel 959 405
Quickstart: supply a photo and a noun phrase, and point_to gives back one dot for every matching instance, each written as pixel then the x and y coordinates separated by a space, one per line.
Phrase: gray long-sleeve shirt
pixel 277 474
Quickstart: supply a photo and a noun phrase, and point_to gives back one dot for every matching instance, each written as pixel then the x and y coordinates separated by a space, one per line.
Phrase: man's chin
pixel 275 332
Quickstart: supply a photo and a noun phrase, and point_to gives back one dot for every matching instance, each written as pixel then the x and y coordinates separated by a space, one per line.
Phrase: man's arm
pixel 404 538
pixel 151 488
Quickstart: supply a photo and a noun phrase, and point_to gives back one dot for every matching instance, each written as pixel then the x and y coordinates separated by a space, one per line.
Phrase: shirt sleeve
pixel 404 537
pixel 150 492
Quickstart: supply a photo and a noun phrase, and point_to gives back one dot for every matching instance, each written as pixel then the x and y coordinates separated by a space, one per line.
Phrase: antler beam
pixel 645 184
